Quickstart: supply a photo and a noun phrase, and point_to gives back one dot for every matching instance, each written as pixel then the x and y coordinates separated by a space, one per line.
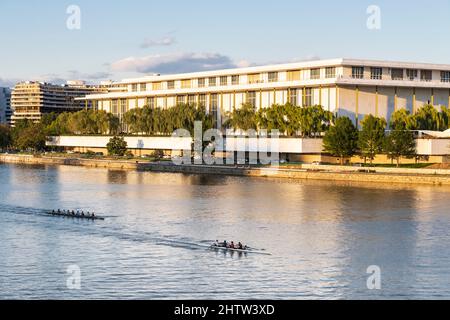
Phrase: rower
pixel 225 244
pixel 232 245
pixel 59 211
pixel 216 244
pixel 93 215
pixel 240 246
pixel 82 213
pixel 53 212
pixel 73 212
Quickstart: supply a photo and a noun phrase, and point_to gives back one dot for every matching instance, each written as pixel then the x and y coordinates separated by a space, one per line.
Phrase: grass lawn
pixel 408 165
pixel 384 165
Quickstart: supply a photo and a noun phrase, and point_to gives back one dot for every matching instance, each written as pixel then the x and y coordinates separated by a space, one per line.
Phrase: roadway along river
pixel 323 237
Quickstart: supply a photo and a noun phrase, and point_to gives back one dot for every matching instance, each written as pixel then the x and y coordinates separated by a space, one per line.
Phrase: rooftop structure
pixel 347 87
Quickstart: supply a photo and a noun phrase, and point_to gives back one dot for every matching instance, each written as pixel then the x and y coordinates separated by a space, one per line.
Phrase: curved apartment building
pixel 30 100
pixel 348 87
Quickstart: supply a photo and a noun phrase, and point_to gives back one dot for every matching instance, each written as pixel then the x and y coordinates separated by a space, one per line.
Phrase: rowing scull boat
pixel 65 215
pixel 213 247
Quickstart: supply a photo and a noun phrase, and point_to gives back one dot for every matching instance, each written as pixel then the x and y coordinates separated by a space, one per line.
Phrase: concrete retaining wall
pixel 377 170
pixel 400 176
pixel 110 164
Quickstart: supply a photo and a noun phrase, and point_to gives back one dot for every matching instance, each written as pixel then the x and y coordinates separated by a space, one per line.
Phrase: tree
pixel 445 117
pixel 291 120
pixel 314 120
pixel 400 143
pixel 402 120
pixel 428 118
pixel 5 137
pixel 58 126
pixel 117 146
pixel 133 119
pixel 165 121
pixel 341 139
pixel 243 118
pixel 371 137
pixel 28 136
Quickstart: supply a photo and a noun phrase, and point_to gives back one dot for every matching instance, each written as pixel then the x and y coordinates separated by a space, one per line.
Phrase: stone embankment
pixel 306 172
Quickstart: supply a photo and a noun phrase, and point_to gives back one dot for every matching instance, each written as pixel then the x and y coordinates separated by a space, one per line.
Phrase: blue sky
pixel 120 39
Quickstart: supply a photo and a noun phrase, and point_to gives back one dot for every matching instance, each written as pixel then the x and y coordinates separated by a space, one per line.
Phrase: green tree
pixel 117 146
pixel 29 136
pixel 59 126
pixel 273 118
pixel 445 117
pixel 400 143
pixel 113 124
pixel 371 137
pixel 5 137
pixel 428 118
pixel 402 120
pixel 341 139
pixel 133 120
pixel 243 118
pixel 314 120
pixel 291 120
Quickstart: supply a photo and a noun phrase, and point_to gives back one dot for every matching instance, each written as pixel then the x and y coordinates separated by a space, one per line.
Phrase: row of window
pixel 119 106
pixel 376 73
pixel 294 75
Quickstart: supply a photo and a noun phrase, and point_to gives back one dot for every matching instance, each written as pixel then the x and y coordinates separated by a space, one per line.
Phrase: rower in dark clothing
pixel 225 244
pixel 240 246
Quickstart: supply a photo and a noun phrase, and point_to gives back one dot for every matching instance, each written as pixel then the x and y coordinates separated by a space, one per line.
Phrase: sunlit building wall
pixel 30 100
pixel 346 87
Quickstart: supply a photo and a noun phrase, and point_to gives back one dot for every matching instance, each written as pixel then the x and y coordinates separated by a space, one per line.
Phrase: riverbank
pixel 303 172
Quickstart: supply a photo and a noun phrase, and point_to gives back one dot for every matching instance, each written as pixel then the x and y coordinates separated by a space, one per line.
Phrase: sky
pixel 122 39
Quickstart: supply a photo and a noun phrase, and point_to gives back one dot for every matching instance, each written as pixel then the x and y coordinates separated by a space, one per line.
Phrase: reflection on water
pixel 323 236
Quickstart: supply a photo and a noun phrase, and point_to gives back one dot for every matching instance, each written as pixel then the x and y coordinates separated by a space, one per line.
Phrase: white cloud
pixel 60 79
pixel 163 42
pixel 174 63
pixel 76 75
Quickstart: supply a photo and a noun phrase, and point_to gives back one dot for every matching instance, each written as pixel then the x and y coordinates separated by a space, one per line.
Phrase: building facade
pixel 5 105
pixel 30 100
pixel 347 87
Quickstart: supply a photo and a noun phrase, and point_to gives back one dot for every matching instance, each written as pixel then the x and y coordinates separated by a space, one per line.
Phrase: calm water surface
pixel 323 236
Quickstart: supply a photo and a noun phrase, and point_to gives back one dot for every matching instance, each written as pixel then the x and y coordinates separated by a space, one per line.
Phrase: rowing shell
pixel 213 247
pixel 74 216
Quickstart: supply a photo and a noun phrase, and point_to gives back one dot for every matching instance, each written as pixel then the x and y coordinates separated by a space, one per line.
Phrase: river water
pixel 323 236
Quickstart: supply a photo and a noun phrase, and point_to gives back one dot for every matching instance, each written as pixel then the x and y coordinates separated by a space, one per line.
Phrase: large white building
pixel 347 87
pixel 31 99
